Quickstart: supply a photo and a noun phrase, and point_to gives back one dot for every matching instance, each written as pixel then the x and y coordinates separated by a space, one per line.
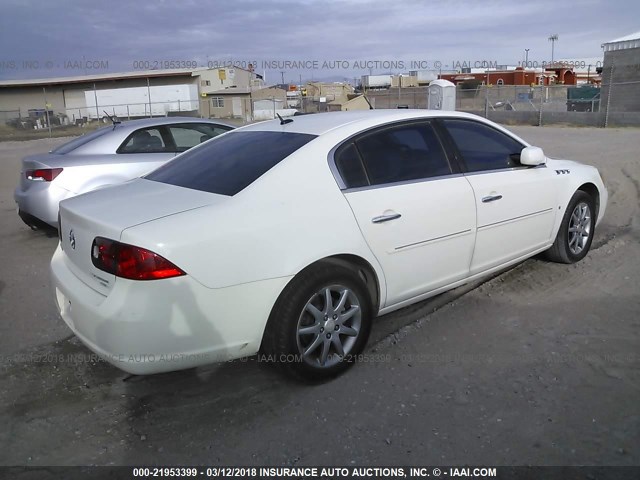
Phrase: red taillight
pixel 43 174
pixel 131 262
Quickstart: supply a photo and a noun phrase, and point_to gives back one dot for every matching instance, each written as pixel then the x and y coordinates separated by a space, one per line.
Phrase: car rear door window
pixel 230 163
pixel 402 153
pixel 350 166
pixel 145 140
pixel 188 135
pixel 483 147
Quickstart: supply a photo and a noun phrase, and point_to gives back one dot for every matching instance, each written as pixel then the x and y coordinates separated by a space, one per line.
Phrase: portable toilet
pixel 442 95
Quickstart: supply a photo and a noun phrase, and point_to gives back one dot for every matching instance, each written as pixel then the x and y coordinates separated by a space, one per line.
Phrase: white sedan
pixel 288 237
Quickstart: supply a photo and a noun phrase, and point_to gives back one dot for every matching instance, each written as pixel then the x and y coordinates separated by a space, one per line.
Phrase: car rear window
pixel 229 164
pixel 78 142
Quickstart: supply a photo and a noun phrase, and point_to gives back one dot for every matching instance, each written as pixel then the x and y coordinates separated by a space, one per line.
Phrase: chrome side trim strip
pixel 516 218
pixel 432 239
pixel 403 182
pixel 507 169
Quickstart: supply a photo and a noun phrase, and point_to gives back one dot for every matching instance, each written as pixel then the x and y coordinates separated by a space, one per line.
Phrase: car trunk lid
pixel 41 160
pixel 108 211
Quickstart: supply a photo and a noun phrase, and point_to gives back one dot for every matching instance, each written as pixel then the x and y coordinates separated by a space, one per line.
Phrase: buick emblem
pixel 72 239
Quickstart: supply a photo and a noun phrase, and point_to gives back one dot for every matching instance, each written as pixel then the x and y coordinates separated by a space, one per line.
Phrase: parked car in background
pixel 106 156
pixel 289 237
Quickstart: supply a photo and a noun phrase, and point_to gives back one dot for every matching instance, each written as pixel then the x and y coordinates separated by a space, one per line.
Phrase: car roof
pixel 112 136
pixel 148 122
pixel 321 123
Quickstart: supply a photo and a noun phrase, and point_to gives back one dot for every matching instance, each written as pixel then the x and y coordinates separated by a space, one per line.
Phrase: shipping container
pixel 376 81
pixel 424 76
pixel 141 101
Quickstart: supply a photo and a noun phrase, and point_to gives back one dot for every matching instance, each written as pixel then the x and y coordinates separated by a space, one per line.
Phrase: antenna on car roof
pixel 114 120
pixel 284 121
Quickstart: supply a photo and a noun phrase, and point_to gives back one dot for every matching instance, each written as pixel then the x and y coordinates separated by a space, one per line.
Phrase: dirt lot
pixel 538 366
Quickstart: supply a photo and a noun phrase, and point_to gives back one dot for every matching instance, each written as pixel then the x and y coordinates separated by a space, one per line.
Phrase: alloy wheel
pixel 328 326
pixel 579 228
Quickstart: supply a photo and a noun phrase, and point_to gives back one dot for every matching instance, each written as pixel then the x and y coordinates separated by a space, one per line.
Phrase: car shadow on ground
pixel 44 230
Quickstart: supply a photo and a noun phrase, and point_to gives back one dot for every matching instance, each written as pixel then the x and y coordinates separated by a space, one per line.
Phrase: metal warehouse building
pixel 621 74
pixel 127 95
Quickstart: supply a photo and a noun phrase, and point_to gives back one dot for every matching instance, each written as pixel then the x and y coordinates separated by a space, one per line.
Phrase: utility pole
pixel 553 39
pixel 300 94
pixel 486 96
pixel 95 96
pixel 149 95
pixel 282 73
pixel 46 110
pixel 526 58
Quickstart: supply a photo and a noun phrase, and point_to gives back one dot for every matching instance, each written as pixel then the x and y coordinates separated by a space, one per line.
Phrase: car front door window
pixel 483 147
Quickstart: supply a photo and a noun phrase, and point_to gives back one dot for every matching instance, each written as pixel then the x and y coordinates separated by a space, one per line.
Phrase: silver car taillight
pixel 43 174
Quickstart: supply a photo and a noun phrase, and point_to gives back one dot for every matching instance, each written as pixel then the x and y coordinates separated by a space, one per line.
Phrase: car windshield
pixel 82 140
pixel 228 164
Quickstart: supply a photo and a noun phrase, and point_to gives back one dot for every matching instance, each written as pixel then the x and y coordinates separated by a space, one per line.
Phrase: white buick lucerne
pixel 290 236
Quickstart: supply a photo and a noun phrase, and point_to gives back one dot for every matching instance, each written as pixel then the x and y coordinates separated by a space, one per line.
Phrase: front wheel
pixel 576 231
pixel 320 323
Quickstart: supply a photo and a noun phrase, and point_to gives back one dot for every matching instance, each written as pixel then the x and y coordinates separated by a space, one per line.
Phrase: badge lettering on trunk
pixel 72 239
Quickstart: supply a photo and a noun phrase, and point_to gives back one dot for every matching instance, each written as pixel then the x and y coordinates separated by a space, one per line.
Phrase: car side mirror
pixel 532 156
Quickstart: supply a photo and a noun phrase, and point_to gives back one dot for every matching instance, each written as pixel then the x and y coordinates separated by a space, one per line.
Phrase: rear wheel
pixel 576 231
pixel 32 222
pixel 320 323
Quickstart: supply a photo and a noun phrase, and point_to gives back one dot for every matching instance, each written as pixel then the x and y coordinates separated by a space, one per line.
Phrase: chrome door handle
pixel 491 198
pixel 385 218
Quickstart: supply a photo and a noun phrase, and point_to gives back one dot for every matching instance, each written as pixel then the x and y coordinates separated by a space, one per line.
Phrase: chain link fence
pixel 36 119
pixel 128 111
pixel 615 103
pixel 9 117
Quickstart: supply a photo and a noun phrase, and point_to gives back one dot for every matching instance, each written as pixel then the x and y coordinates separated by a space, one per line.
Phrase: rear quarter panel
pixel 84 178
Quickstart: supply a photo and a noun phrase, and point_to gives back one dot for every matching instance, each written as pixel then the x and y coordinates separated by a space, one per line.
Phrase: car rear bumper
pixel 145 327
pixel 41 201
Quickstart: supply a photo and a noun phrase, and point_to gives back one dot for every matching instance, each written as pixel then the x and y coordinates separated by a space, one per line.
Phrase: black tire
pixel 561 251
pixel 30 221
pixel 283 345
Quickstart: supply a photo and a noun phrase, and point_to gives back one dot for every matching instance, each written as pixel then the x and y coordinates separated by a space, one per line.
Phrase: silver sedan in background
pixel 109 155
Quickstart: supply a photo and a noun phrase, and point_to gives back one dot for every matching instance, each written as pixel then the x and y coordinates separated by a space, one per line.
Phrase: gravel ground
pixel 537 366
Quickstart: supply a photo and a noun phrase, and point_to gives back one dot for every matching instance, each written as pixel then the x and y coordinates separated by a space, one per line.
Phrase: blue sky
pixel 41 39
